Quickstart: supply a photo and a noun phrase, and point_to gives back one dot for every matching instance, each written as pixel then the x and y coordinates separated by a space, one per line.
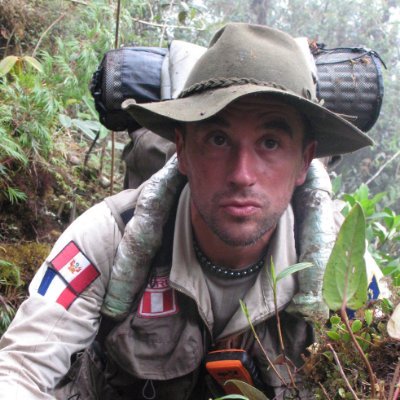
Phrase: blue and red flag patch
pixel 70 273
pixel 159 299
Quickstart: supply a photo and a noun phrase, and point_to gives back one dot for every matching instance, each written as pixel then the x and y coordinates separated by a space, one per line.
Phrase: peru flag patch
pixel 70 273
pixel 159 299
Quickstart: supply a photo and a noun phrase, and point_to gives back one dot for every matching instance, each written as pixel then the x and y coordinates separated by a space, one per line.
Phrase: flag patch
pixel 159 299
pixel 70 273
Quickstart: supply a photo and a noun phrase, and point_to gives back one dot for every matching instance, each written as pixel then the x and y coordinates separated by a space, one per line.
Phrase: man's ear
pixel 180 150
pixel 308 156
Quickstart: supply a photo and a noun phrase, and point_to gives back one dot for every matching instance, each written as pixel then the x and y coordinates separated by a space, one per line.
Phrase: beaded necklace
pixel 226 272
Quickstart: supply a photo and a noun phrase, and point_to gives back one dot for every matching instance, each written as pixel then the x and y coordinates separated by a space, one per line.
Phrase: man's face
pixel 242 166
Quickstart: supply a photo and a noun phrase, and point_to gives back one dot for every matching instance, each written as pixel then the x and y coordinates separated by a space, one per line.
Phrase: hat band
pixel 216 83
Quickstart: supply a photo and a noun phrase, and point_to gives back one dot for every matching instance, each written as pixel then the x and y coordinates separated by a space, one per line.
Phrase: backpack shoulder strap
pixel 122 206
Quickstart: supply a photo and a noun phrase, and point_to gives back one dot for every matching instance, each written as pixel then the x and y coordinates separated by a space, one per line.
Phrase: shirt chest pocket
pixel 162 340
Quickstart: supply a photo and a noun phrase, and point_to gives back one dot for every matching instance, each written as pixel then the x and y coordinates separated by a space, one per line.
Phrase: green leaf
pixel 387 306
pixel 6 64
pixel 247 390
pixel 356 326
pixel 328 355
pixel 345 278
pixel 86 127
pixel 33 62
pixel 89 102
pixel 346 337
pixel 15 195
pixel 368 317
pixel 65 120
pixel 182 17
pixel 244 308
pixel 363 192
pixel 391 269
pixel 9 274
pixel 337 184
pixel 292 269
pixel 349 199
pixel 117 145
pixel 273 273
pixel 335 319
pixel 333 335
pixel 364 341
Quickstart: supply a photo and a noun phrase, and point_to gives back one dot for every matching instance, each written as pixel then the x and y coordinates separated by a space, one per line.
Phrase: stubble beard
pixel 262 224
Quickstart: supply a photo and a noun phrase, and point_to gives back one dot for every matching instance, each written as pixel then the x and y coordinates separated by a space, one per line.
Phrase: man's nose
pixel 243 167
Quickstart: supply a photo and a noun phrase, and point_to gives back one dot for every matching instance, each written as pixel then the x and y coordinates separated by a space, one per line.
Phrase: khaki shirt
pixel 172 345
pixel 36 350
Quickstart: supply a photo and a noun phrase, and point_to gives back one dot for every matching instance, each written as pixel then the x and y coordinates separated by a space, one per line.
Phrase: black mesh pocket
pixel 350 83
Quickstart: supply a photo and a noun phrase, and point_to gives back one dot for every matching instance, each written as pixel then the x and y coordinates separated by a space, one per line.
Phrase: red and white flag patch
pixel 70 273
pixel 159 299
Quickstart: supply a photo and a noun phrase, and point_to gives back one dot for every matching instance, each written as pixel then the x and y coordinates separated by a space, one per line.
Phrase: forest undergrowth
pixel 50 174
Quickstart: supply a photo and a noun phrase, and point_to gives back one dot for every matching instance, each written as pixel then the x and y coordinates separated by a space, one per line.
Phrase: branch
pixel 270 362
pixel 79 2
pixel 150 10
pixel 359 349
pixel 335 356
pixel 264 351
pixel 45 32
pixel 8 41
pixel 165 25
pixel 162 25
pixel 117 18
pixel 382 168
pixel 394 391
pixel 324 390
pixel 280 335
pixel 397 392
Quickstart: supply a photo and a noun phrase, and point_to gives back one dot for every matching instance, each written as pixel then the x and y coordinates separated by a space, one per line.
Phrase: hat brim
pixel 334 134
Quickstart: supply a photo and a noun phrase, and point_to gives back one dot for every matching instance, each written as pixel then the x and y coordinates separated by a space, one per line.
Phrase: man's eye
pixel 218 140
pixel 270 144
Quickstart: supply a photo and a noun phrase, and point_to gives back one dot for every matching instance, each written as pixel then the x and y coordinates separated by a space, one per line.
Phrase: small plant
pixel 382 230
pixel 351 359
pixel 17 64
pixel 7 312
pixel 362 341
pixel 10 281
pixel 246 389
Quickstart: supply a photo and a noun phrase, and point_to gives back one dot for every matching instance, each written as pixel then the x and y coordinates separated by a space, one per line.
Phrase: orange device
pixel 224 365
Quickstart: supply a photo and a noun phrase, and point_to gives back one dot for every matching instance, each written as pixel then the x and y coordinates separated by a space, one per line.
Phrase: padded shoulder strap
pixel 122 206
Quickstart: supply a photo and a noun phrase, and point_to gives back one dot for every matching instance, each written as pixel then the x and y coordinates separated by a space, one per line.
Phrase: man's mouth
pixel 240 208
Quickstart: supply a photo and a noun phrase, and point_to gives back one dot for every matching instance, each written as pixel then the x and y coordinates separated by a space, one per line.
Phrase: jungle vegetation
pixel 50 171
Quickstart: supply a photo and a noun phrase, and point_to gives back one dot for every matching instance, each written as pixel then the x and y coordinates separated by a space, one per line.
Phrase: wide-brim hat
pixel 245 59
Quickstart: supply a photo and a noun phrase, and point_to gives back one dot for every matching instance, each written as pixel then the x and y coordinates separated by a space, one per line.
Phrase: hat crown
pixel 256 53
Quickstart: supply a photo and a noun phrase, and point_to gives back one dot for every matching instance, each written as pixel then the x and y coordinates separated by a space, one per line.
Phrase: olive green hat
pixel 245 59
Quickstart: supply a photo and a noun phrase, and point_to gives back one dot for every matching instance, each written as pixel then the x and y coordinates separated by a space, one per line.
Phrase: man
pixel 247 126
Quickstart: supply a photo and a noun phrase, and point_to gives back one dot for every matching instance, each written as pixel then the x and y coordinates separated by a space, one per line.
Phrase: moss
pixel 27 257
pixel 18 263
